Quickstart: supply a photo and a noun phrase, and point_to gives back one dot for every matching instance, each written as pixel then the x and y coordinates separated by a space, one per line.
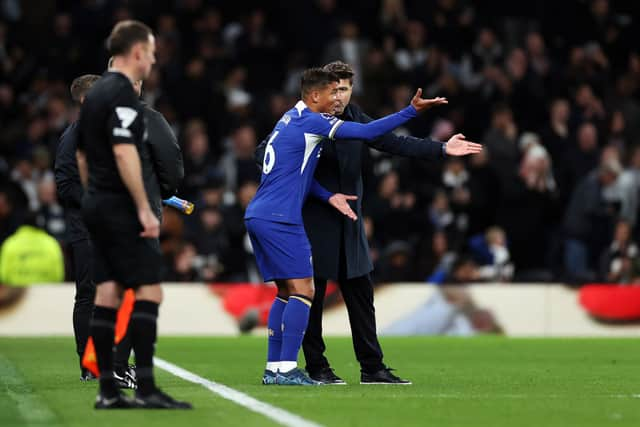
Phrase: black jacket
pixel 68 183
pixel 161 157
pixel 162 170
pixel 339 170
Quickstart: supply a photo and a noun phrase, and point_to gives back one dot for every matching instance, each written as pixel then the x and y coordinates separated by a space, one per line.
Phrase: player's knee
pixel 302 287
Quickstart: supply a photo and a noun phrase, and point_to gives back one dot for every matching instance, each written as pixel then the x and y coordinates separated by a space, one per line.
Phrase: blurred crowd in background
pixel 551 88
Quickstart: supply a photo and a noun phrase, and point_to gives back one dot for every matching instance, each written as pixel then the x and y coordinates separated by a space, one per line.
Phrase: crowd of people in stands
pixel 551 89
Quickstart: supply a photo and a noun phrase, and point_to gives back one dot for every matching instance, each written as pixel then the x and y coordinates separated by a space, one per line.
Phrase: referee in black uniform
pixel 118 215
pixel 162 172
pixel 339 245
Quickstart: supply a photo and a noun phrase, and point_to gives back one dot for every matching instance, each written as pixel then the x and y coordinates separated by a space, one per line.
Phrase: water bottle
pixel 183 206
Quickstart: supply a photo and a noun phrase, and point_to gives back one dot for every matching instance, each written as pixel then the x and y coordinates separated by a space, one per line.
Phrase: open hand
pixel 339 201
pixel 424 104
pixel 457 145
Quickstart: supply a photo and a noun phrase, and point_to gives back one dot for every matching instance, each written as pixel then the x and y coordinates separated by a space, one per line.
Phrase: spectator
pixel 583 155
pixel 50 215
pixel 490 251
pixel 588 220
pixel 30 256
pixel 620 262
pixel 238 164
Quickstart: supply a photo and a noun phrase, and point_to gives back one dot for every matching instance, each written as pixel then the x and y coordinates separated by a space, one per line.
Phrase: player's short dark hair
pixel 341 69
pixel 125 34
pixel 81 85
pixel 316 78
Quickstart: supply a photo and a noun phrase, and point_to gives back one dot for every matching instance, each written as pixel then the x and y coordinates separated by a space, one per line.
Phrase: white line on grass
pixel 278 415
pixel 30 406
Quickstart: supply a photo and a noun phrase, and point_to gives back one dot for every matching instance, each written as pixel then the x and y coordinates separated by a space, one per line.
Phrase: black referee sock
pixel 103 331
pixel 143 330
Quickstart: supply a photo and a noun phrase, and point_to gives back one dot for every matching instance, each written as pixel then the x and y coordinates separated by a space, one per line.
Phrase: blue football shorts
pixel 282 250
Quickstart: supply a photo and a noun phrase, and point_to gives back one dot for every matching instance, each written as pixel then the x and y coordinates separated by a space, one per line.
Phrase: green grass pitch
pixel 456 382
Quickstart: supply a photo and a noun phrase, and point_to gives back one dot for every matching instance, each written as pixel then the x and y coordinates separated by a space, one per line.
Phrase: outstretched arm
pixel 376 128
pixel 406 146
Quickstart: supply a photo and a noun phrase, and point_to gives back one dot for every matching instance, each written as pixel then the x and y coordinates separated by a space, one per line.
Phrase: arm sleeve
pixel 374 129
pixel 319 192
pixel 124 119
pixel 406 146
pixel 166 155
pixel 66 171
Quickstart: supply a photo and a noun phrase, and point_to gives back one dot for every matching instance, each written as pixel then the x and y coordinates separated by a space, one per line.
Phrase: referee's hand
pixel 150 224
pixel 339 201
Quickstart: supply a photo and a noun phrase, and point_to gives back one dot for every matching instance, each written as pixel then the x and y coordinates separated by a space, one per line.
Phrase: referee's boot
pixel 126 378
pixel 119 401
pixel 383 376
pixel 326 376
pixel 159 400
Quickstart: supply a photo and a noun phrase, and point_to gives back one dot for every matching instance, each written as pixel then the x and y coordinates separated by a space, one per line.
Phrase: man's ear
pixel 136 51
pixel 315 96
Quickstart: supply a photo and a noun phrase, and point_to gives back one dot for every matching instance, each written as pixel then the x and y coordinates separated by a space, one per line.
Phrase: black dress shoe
pixel 383 376
pixel 159 400
pixel 327 376
pixel 119 401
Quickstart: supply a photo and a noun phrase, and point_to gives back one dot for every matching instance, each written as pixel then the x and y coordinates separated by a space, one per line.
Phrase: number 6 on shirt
pixel 269 155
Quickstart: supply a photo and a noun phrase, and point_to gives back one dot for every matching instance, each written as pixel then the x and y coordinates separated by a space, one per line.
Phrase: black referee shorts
pixel 120 254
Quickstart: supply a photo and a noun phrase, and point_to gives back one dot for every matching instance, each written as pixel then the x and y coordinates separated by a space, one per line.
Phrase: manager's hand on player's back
pixel 150 223
pixel 421 104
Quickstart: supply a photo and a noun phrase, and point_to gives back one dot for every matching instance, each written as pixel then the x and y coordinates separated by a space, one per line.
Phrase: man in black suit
pixel 70 193
pixel 339 245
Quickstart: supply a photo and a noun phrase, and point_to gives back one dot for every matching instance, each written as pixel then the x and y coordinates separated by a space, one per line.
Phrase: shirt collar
pixel 300 106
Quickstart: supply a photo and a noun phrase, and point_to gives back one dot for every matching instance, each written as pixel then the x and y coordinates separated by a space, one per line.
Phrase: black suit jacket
pixel 68 183
pixel 161 158
pixel 339 170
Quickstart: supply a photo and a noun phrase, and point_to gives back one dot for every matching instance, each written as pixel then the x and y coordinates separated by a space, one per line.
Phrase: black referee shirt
pixel 111 114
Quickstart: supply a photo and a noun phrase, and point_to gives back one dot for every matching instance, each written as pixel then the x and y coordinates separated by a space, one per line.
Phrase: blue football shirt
pixel 291 157
pixel 292 153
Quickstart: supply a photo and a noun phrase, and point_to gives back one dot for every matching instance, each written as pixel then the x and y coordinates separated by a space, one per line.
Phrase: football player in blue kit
pixel 274 216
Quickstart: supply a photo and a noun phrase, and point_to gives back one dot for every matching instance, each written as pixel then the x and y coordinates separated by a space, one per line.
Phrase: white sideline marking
pixel 30 406
pixel 278 415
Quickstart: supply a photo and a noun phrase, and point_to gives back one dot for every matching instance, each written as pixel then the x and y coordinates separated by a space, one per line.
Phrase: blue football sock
pixel 294 325
pixel 274 329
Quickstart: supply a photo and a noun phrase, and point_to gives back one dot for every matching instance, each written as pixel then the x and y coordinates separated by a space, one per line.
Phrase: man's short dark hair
pixel 125 34
pixel 316 78
pixel 341 69
pixel 81 85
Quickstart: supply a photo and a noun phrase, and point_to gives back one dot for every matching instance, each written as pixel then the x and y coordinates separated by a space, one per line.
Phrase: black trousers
pixel 85 293
pixel 358 297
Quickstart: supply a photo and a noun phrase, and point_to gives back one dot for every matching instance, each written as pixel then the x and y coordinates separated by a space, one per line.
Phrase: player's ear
pixel 315 96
